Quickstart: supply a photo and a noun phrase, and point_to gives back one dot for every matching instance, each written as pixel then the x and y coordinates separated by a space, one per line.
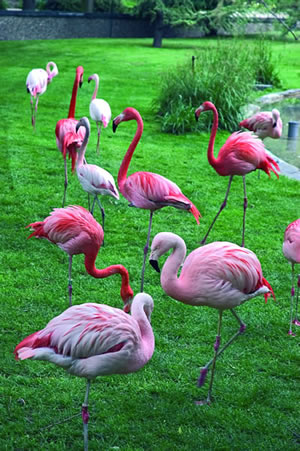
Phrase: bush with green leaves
pixel 225 73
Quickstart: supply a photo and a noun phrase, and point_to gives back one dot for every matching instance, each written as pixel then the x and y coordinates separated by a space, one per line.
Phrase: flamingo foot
pixel 296 322
pixel 203 402
pixel 290 332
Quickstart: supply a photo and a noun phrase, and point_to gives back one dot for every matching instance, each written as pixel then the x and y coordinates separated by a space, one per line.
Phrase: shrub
pixel 224 74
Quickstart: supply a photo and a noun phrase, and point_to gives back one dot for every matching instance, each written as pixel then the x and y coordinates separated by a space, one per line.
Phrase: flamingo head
pixel 79 75
pixel 93 77
pixel 127 296
pixel 204 107
pixel 127 115
pixel 83 122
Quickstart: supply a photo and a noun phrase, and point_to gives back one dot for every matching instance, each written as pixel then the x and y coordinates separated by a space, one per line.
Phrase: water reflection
pixel 285 148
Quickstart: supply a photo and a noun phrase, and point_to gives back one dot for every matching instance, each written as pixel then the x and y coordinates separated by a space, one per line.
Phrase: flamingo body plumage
pixel 36 83
pixel 148 190
pixel 99 109
pixel 75 231
pixel 91 340
pixel 265 124
pixel 93 179
pixel 291 251
pixel 68 140
pixel 220 275
pixel 242 153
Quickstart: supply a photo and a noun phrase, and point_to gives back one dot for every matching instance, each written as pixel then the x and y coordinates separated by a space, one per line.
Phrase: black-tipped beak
pixel 89 79
pixel 196 116
pixel 154 264
pixel 77 126
pixel 80 83
pixel 28 90
pixel 114 126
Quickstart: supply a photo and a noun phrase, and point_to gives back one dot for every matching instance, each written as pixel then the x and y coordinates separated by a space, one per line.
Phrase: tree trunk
pixel 88 6
pixel 158 30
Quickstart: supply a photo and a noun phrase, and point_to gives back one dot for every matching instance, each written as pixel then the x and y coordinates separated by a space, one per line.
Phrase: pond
pixel 285 148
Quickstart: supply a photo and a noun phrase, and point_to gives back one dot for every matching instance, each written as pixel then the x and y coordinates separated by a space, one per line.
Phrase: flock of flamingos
pixel 92 339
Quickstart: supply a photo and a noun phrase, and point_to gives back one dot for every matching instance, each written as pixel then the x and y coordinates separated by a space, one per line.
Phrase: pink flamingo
pixel 91 340
pixel 264 124
pixel 242 153
pixel 36 83
pixel 93 179
pixel 67 140
pixel 75 231
pixel 145 189
pixel 220 275
pixel 100 110
pixel 291 251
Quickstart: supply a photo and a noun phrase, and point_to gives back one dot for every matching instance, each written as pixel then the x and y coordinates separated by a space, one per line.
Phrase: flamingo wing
pixel 96 180
pixel 37 81
pixel 87 340
pixel 100 111
pixel 153 191
pixel 67 139
pixel 291 242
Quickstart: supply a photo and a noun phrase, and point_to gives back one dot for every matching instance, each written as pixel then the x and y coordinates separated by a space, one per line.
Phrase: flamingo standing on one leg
pixel 36 83
pixel 145 189
pixel 220 275
pixel 100 110
pixel 67 139
pixel 91 340
pixel 264 124
pixel 93 179
pixel 75 231
pixel 291 251
pixel 242 153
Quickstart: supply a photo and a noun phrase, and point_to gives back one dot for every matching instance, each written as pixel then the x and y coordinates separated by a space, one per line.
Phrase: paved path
pixel 285 168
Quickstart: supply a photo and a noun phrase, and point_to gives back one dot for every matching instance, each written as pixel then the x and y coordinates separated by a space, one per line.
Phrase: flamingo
pixel 93 179
pixel 242 153
pixel 219 275
pixel 145 189
pixel 75 231
pixel 67 140
pixel 264 124
pixel 291 251
pixel 100 110
pixel 91 340
pixel 36 83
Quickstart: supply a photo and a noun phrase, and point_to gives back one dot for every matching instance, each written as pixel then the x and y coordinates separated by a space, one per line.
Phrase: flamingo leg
pixel 35 109
pixel 93 206
pixel 245 208
pixel 70 289
pixel 223 205
pixel 32 113
pixel 216 348
pixel 102 211
pixel 98 140
pixel 290 332
pixel 204 369
pixel 89 202
pixel 66 182
pixel 85 416
pixel 146 250
pixel 296 320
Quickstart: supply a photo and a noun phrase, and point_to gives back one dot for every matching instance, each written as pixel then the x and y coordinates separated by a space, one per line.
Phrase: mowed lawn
pixel 256 388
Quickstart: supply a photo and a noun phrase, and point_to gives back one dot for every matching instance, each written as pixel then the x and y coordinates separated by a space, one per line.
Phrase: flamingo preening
pixel 291 251
pixel 145 189
pixel 265 124
pixel 67 139
pixel 220 275
pixel 91 340
pixel 93 179
pixel 75 231
pixel 243 152
pixel 100 110
pixel 36 83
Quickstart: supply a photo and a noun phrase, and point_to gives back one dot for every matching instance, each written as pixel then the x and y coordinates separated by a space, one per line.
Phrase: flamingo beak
pixel 196 116
pixel 154 264
pixel 127 305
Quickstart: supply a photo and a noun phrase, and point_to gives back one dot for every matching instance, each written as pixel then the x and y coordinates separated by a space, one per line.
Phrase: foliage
pixel 3 4
pixel 225 74
pixel 78 6
pixel 256 387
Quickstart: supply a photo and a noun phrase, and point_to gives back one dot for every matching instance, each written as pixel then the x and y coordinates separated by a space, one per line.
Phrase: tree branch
pixel 278 18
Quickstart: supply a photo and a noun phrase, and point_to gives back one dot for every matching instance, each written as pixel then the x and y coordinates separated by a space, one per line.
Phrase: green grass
pixel 256 389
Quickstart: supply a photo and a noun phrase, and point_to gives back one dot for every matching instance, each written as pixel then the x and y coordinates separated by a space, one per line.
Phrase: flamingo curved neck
pixel 72 107
pixel 210 151
pixel 138 313
pixel 169 280
pixel 91 269
pixel 126 161
pixel 83 146
pixel 96 78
